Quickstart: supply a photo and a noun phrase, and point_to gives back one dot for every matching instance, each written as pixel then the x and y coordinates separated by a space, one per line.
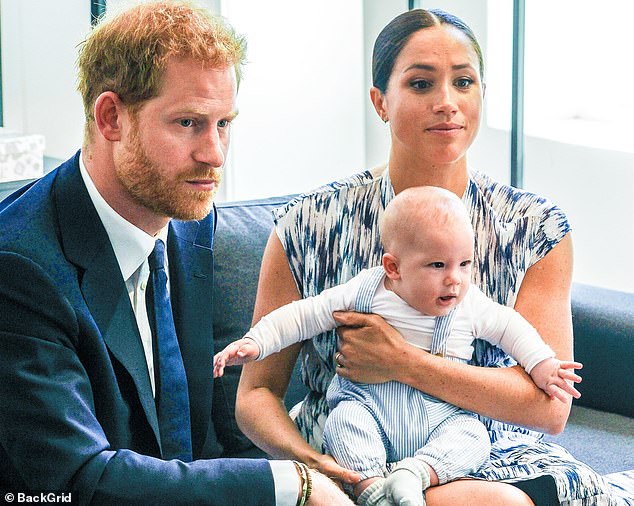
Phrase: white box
pixel 21 156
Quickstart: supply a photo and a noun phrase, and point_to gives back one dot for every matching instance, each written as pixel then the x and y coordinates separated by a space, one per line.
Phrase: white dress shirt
pixel 132 246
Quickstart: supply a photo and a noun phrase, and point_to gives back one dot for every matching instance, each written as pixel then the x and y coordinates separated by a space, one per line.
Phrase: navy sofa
pixel 600 431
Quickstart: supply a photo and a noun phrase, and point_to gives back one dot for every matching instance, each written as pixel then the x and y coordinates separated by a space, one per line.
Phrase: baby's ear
pixel 390 266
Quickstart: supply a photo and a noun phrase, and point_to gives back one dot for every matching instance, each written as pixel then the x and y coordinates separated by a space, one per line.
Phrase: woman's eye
pixel 420 84
pixel 187 123
pixel 464 82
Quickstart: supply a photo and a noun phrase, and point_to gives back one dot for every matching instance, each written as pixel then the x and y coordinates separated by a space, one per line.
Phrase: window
pixel 577 71
pixel 579 134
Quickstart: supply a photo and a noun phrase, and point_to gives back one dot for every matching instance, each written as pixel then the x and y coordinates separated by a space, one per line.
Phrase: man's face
pixel 175 146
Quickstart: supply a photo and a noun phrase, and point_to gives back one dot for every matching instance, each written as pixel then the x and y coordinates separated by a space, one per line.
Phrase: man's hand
pixel 326 492
pixel 557 377
pixel 237 353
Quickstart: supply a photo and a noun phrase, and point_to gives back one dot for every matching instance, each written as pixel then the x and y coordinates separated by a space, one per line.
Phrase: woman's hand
pixel 365 342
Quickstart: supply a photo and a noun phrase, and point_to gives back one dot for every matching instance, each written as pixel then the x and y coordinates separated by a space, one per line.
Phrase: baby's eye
pixel 464 82
pixel 465 263
pixel 437 265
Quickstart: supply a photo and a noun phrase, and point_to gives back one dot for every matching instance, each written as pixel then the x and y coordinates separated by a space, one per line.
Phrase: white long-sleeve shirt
pixel 477 316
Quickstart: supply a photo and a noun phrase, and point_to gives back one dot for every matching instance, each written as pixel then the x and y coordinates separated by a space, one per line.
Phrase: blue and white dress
pixel 332 233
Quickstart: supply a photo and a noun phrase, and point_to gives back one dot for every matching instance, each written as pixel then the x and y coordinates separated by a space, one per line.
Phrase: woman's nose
pixel 445 100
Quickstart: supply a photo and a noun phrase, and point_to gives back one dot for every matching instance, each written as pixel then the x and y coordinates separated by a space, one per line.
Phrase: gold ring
pixel 338 355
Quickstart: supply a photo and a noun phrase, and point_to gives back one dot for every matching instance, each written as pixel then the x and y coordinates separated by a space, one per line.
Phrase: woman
pixel 428 83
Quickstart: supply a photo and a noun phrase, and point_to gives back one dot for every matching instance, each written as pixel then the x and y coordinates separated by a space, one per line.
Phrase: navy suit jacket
pixel 77 411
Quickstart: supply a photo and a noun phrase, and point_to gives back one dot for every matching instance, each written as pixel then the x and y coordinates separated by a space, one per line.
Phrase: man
pixel 106 390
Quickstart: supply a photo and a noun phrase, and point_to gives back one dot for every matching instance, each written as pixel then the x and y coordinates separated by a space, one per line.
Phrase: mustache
pixel 202 173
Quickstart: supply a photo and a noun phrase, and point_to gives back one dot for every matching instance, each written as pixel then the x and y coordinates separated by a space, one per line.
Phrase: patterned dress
pixel 331 234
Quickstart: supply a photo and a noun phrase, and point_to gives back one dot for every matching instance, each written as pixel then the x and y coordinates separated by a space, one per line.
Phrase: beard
pixel 151 188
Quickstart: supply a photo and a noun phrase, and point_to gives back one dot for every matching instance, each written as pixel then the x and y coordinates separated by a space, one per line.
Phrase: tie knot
pixel 156 260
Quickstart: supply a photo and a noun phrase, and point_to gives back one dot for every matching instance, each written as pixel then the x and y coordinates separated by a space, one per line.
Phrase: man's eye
pixel 420 84
pixel 223 123
pixel 464 82
pixel 187 123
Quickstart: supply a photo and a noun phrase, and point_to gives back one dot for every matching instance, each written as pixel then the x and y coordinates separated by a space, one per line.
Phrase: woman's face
pixel 434 96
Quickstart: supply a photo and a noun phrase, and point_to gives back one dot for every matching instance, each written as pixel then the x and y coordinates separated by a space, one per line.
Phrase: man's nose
pixel 210 149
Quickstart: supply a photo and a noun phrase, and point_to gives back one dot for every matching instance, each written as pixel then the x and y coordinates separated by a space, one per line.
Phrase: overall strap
pixel 369 285
pixel 442 328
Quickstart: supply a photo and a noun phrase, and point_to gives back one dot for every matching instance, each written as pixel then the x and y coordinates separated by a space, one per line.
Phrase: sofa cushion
pixel 603 323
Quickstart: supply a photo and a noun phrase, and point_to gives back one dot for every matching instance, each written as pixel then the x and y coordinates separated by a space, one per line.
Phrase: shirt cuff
pixel 286 481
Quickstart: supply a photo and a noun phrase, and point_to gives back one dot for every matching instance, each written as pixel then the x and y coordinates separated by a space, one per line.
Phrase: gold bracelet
pixel 309 480
pixel 307 483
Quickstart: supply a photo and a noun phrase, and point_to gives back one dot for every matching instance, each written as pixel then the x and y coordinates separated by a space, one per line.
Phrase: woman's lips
pixel 445 128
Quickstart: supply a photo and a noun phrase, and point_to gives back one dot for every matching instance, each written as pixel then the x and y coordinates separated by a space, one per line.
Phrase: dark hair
pixel 394 36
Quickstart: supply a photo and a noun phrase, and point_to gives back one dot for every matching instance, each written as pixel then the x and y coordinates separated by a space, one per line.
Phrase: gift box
pixel 21 156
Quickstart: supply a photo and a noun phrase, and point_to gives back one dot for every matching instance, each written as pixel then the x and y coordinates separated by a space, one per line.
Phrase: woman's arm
pixel 264 383
pixel 506 394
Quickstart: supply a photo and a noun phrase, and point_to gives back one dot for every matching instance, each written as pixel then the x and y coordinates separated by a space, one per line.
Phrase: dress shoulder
pixel 330 192
pixel 535 223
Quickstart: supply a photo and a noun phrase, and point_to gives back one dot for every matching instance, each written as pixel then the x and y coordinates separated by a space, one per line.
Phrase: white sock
pixel 374 495
pixel 405 484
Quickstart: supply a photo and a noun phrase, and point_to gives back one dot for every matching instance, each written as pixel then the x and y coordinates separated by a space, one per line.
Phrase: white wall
pixel 39 40
pixel 305 114
pixel 301 101
pixel 376 14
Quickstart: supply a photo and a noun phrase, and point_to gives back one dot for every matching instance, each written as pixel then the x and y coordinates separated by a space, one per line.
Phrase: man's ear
pixel 109 111
pixel 390 266
pixel 378 100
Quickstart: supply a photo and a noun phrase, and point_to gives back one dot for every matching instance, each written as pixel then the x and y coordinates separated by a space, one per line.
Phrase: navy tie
pixel 172 398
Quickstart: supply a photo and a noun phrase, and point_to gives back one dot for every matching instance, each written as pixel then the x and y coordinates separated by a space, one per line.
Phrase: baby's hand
pixel 556 378
pixel 237 353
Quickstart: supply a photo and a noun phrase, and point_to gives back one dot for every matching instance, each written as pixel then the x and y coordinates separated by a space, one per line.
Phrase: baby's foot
pixel 406 483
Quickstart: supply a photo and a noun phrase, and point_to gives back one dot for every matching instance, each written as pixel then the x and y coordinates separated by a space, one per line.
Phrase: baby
pixel 399 439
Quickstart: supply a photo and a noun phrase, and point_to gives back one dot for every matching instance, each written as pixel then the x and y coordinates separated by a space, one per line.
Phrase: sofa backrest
pixel 242 231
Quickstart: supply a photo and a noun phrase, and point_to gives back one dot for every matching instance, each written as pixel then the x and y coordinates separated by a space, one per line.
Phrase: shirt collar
pixel 131 245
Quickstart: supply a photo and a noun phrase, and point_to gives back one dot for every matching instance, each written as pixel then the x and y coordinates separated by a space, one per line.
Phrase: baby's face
pixel 435 270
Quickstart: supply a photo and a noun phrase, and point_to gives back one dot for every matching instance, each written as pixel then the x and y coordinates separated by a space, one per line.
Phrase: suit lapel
pixel 191 282
pixel 86 244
